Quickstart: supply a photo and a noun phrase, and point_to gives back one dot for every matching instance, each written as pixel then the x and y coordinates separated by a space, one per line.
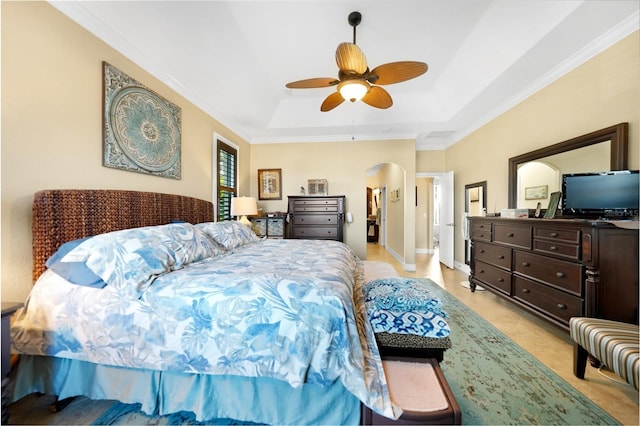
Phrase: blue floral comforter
pixel 274 308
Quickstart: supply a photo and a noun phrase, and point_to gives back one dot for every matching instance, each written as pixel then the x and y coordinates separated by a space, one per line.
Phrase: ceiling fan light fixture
pixel 353 90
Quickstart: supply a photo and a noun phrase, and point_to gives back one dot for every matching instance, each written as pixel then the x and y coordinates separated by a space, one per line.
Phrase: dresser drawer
pixel 495 255
pixel 315 219
pixel 513 235
pixel 315 205
pixel 481 231
pixel 570 236
pixel 559 273
pixel 315 232
pixel 495 277
pixel 570 251
pixel 555 303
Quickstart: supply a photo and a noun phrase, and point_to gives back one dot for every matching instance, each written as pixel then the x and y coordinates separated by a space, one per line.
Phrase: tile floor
pixel 549 344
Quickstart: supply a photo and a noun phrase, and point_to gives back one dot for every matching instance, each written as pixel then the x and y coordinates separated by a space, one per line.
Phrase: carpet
pixel 494 380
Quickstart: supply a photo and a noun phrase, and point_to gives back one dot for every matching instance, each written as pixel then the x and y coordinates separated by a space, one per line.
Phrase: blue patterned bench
pixel 406 319
pixel 614 344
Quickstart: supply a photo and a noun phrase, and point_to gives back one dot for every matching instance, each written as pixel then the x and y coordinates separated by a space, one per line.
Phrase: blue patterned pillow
pixel 404 306
pixel 230 234
pixel 129 260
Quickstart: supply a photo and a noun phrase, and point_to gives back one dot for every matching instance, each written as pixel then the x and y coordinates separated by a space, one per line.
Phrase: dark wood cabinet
pixel 320 218
pixel 558 268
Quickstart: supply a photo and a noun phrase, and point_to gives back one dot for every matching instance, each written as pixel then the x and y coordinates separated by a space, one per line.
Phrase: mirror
pixel 613 139
pixel 475 204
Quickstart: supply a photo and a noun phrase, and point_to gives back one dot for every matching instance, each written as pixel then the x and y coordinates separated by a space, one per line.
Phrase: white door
pixel 447 223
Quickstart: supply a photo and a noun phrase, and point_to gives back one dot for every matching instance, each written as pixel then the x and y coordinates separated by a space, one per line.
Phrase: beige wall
pixel 602 92
pixel 52 127
pixel 344 165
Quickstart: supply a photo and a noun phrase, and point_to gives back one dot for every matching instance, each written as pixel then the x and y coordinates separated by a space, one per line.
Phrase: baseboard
pixel 425 251
pixel 409 267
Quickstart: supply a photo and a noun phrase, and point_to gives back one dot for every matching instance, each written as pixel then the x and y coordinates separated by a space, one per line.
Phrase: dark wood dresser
pixel 558 268
pixel 317 217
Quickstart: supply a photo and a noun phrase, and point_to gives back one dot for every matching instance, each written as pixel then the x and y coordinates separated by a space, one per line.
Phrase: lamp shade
pixel 244 206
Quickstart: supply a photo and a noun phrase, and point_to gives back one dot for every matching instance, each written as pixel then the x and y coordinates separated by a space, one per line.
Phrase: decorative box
pixel 514 213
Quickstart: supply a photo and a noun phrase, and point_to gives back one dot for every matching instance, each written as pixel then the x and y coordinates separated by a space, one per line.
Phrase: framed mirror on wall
pixel 602 150
pixel 475 204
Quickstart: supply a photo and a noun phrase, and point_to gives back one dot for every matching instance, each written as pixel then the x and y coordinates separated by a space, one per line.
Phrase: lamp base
pixel 245 221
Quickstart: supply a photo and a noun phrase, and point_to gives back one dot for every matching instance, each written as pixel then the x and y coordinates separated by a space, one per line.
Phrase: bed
pixel 184 314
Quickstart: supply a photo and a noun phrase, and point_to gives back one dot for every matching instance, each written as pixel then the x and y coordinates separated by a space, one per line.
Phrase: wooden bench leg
pixel 580 356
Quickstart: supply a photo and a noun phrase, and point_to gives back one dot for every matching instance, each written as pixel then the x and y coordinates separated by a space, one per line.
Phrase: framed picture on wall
pixel 536 192
pixel 270 184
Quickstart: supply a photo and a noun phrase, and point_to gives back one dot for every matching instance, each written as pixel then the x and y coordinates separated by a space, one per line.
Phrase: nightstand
pixel 8 309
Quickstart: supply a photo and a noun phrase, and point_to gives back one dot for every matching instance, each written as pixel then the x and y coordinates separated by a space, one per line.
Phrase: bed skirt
pixel 260 400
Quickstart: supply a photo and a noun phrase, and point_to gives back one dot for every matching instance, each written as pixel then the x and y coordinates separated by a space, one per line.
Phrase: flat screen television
pixel 601 195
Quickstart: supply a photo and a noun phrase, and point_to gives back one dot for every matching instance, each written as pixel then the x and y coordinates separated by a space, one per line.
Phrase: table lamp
pixel 244 206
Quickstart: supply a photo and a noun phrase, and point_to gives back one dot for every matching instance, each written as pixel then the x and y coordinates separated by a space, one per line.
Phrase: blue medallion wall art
pixel 141 128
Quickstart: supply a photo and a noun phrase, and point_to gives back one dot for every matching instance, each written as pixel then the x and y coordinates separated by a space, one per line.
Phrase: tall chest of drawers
pixel 318 218
pixel 558 268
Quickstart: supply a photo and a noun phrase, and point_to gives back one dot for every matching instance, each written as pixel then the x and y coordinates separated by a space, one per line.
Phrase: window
pixel 227 178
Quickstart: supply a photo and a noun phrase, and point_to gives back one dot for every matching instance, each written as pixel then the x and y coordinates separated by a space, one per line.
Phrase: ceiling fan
pixel 355 80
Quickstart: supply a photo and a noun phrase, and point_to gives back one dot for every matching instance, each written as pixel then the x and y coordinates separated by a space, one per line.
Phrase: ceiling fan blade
pixel 395 72
pixel 378 97
pixel 350 57
pixel 332 101
pixel 312 83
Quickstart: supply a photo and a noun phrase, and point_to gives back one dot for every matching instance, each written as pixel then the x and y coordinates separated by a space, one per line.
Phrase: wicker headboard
pixel 67 214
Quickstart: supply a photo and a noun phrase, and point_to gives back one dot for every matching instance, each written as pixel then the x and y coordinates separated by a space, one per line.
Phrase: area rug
pixel 494 380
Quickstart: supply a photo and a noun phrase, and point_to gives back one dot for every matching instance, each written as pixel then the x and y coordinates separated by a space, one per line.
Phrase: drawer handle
pixel 526 290
pixel 501 257
pixel 482 271
pixel 481 235
pixel 525 263
pixel 553 248
pixel 562 306
pixel 560 275
pixel 554 234
pixel 481 251
pixel 500 280
pixel 481 226
pixel 510 234
pixel 302 220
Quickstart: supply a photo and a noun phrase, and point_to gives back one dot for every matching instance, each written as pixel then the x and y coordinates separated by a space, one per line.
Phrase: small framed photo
pixel 554 202
pixel 536 192
pixel 318 187
pixel 270 184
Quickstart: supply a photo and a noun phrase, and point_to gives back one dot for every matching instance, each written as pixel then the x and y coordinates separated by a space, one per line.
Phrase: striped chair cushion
pixel 613 343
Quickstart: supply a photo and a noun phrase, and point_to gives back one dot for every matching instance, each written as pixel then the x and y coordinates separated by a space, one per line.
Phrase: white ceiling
pixel 233 58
